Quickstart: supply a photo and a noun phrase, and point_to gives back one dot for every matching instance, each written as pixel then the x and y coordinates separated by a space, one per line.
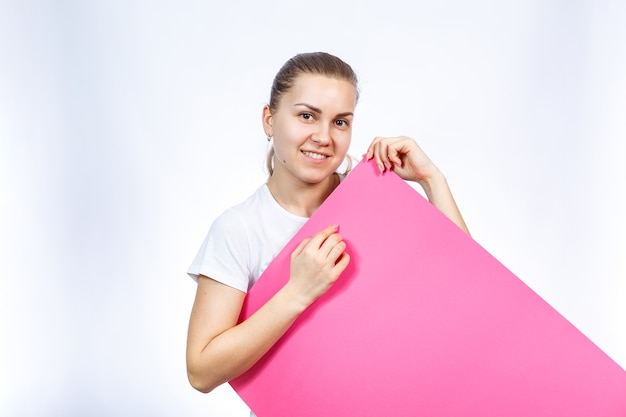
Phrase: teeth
pixel 314 155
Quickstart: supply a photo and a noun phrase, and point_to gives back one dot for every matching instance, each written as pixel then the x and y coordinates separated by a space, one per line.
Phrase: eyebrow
pixel 315 109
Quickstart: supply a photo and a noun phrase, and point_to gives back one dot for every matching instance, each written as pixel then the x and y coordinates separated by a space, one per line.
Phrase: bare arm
pixel 219 349
pixel 439 194
pixel 406 158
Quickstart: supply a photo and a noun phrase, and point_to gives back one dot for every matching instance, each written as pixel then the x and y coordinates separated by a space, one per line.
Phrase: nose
pixel 321 136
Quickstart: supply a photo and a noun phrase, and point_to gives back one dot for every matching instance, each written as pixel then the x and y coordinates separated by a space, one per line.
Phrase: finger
pixel 375 155
pixel 337 251
pixel 371 149
pixel 342 263
pixel 394 156
pixel 332 247
pixel 320 237
pixel 373 152
pixel 382 155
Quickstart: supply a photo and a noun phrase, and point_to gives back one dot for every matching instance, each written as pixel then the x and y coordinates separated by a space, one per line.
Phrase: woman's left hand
pixel 403 156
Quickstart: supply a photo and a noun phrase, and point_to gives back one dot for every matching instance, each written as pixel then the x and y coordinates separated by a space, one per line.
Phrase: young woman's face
pixel 312 127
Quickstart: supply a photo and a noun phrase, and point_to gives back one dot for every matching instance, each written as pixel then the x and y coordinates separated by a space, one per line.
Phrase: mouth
pixel 315 155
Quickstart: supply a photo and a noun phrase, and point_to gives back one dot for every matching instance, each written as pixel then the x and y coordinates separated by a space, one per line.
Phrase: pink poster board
pixel 424 322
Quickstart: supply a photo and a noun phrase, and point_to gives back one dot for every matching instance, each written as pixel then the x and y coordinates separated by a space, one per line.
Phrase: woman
pixel 309 117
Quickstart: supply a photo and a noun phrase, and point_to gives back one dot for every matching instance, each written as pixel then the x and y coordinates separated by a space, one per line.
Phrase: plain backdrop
pixel 126 127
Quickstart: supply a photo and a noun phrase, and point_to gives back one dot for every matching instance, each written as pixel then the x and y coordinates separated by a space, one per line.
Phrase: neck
pixel 300 198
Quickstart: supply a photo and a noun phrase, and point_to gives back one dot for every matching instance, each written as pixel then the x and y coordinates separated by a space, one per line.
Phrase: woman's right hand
pixel 316 264
pixel 220 349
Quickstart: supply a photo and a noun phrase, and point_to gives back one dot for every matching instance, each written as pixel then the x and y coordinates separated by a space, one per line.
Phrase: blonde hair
pixel 318 63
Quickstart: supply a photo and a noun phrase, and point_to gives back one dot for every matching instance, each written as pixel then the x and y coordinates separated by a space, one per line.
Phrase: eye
pixel 342 123
pixel 306 116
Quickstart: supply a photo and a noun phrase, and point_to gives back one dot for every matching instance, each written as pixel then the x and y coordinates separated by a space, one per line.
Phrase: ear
pixel 267 119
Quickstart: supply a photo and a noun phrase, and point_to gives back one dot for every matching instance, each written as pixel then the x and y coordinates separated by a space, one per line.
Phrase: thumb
pixel 394 156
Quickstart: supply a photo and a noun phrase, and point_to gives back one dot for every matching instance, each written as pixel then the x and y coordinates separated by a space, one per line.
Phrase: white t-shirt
pixel 244 239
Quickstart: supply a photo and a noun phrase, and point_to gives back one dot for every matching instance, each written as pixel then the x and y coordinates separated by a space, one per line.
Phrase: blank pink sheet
pixel 424 322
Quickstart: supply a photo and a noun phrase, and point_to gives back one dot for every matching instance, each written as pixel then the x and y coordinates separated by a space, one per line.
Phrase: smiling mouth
pixel 314 155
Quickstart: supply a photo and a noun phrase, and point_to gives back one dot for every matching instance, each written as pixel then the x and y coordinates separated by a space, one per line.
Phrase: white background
pixel 127 126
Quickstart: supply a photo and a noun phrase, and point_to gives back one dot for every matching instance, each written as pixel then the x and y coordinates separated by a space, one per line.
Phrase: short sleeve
pixel 224 253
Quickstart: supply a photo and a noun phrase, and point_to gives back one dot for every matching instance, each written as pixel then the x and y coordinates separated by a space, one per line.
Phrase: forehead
pixel 322 91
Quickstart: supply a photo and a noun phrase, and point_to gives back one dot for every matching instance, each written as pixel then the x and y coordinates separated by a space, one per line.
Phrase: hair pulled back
pixel 315 63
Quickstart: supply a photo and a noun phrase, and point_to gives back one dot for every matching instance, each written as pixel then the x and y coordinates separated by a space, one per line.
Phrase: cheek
pixel 343 142
pixel 291 133
pixel 286 143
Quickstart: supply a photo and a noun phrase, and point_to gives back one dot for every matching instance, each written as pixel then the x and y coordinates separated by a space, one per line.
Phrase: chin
pixel 315 179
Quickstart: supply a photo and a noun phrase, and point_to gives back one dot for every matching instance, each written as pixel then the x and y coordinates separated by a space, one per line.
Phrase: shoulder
pixel 225 254
pixel 235 217
pixel 253 220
